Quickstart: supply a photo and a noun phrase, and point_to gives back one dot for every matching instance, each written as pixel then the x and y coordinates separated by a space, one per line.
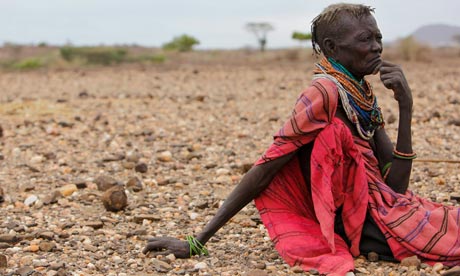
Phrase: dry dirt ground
pixel 195 129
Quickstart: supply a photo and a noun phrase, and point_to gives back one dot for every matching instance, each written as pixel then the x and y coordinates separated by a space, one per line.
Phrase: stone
pixel 47 235
pixel 2 195
pixel 68 189
pixel 4 245
pixel 141 218
pixel 30 200
pixel 9 238
pixel 105 182
pixel 372 257
pixel 141 167
pixel 161 266
pixel 454 271
pixel 31 248
pixel 3 261
pixel 95 224
pixel 165 156
pixel 437 267
pixel 297 269
pixel 255 272
pixel 46 246
pixel 134 184
pixel 128 165
pixel 133 157
pixel 411 261
pixel 25 271
pixel 115 199
pixel 200 266
pixel 52 197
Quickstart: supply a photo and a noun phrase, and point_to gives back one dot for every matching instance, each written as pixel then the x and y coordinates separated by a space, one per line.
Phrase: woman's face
pixel 359 46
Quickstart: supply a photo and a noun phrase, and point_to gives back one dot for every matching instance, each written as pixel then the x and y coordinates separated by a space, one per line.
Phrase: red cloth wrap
pixel 344 172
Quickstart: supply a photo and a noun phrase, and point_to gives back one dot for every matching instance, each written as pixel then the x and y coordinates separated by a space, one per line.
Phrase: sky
pixel 217 24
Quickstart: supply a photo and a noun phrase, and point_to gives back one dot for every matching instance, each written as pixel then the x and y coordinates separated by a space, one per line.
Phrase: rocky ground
pixel 178 139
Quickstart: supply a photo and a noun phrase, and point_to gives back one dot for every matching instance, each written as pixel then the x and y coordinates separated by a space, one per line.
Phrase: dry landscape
pixel 178 136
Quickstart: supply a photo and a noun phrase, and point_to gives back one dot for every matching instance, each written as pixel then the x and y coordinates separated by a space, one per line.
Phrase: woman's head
pixel 349 34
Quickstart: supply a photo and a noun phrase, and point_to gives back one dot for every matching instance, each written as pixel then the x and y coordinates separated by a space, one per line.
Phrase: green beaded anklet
pixel 196 247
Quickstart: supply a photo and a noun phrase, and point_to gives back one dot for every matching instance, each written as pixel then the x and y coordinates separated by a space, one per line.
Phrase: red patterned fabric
pixel 344 172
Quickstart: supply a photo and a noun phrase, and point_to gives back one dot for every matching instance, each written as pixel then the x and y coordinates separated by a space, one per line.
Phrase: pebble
pixel 160 266
pixel 46 246
pixel 165 156
pixel 105 182
pixel 48 235
pixel 133 157
pixel 141 168
pixel 31 248
pixel 437 267
pixel 30 200
pixel 52 197
pixel 115 199
pixel 25 271
pixel 200 266
pixel 411 261
pixel 134 184
pixel 128 165
pixel 3 261
pixel 9 238
pixel 68 190
pixel 95 224
pixel 373 257
pixel 256 272
pixel 297 269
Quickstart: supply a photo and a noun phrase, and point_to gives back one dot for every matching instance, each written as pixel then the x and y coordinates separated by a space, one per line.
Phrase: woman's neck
pixel 344 70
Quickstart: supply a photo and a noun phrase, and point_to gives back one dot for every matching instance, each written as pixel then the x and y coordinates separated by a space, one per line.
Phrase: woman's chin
pixel 376 69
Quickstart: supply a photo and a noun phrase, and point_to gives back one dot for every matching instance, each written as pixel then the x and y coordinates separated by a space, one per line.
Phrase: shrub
pixel 94 55
pixel 28 64
pixel 183 43
pixel 411 50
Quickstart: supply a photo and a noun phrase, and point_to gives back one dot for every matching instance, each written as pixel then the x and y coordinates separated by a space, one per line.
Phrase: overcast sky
pixel 215 23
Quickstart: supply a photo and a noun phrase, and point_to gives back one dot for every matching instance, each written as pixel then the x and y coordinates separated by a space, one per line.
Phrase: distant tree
pixel 183 43
pixel 301 36
pixel 260 30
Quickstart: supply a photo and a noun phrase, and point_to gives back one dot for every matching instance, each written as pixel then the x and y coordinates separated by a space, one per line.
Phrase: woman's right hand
pixel 166 246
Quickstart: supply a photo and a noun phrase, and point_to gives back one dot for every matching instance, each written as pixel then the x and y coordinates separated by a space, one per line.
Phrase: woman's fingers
pixel 155 245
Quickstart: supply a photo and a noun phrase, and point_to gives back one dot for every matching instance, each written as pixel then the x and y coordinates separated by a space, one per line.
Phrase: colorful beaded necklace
pixel 357 97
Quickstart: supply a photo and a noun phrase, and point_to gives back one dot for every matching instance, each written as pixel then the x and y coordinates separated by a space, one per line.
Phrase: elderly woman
pixel 332 185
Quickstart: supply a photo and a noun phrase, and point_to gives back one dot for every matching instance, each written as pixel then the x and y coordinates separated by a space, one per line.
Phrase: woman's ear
pixel 329 47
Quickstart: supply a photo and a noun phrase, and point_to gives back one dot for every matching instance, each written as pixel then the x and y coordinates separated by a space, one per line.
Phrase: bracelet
pixel 385 176
pixel 404 156
pixel 386 169
pixel 196 247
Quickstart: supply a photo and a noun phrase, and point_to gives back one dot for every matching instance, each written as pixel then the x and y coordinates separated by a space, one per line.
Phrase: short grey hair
pixel 326 23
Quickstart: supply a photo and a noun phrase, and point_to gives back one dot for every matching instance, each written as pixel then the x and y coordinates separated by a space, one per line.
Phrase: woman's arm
pixel 398 177
pixel 252 184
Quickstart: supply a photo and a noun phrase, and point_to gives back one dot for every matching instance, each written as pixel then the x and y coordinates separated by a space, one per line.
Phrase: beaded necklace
pixel 358 99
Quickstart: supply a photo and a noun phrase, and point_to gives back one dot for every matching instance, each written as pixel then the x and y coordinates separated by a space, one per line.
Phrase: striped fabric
pixel 299 216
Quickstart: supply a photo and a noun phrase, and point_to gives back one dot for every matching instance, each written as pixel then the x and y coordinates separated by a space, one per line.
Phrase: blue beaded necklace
pixel 369 120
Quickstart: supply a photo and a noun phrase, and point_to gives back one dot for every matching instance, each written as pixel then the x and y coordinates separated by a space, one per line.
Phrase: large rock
pixel 115 199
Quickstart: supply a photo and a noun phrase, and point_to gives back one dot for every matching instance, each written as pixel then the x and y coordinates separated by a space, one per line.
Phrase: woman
pixel 332 185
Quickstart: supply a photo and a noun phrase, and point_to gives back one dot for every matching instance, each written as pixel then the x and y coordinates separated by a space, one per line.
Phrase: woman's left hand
pixel 393 78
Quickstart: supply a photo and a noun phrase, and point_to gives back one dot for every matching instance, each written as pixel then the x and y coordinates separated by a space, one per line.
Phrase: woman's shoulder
pixel 322 89
pixel 325 85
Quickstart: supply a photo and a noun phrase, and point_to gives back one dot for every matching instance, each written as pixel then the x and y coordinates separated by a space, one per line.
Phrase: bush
pixel 94 55
pixel 411 50
pixel 183 43
pixel 28 64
